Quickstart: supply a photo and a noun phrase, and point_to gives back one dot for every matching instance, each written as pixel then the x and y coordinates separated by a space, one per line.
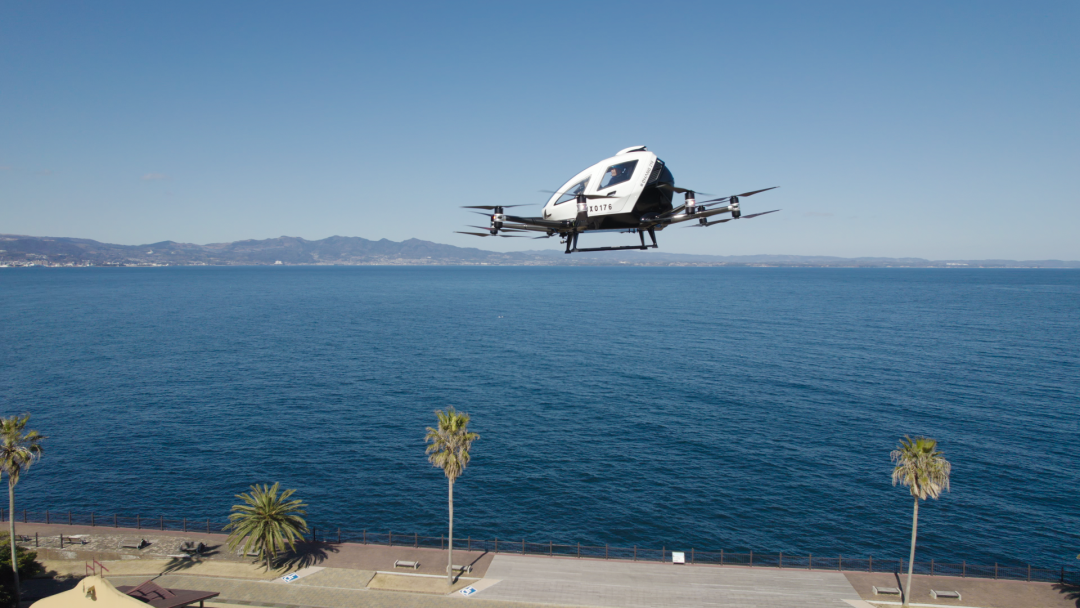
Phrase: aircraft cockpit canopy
pixel 617 174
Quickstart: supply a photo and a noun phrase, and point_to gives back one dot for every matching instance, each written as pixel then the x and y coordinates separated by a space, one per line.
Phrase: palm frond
pixel 267 522
pixel 449 442
pixel 920 467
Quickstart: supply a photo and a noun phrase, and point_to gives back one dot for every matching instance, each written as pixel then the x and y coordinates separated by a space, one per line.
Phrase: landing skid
pixel 638 247
pixel 571 243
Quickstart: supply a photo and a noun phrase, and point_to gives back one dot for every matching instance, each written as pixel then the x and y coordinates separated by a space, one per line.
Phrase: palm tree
pixel 449 451
pixel 268 522
pixel 921 468
pixel 19 449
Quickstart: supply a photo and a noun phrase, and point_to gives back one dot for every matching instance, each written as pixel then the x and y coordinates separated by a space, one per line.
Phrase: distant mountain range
pixel 17 250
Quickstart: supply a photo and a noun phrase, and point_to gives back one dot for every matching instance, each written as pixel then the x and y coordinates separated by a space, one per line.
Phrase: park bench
pixel 949 595
pixel 465 568
pixel 74 540
pixel 400 563
pixel 189 547
pixel 22 538
pixel 886 590
pixel 142 544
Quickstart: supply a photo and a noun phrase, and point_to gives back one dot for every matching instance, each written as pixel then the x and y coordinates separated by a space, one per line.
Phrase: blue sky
pixel 939 130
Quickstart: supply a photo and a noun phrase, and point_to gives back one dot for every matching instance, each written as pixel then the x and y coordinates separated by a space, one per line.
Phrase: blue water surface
pixel 734 408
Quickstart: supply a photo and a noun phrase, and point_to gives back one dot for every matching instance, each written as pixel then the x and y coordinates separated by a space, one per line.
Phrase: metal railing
pixel 694 556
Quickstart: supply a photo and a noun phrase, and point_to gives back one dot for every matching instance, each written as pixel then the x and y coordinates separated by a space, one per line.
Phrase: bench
pixel 191 548
pixel 74 540
pixel 142 544
pixel 22 538
pixel 399 563
pixel 949 595
pixel 465 568
pixel 886 590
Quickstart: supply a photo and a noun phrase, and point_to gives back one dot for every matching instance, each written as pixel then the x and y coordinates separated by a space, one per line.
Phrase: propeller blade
pixel 492 207
pixel 500 229
pixel 746 217
pixel 758 191
pixel 588 196
pixel 472 233
pixel 682 190
pixel 724 199
pixel 710 223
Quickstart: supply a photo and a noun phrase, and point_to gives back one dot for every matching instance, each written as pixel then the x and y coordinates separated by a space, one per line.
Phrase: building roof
pixel 160 597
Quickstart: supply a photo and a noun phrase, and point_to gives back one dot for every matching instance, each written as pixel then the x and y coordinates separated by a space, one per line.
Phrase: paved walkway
pixel 651 585
pixel 337 590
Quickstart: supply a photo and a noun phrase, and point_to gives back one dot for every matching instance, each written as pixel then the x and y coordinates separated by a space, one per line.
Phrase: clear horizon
pixel 930 131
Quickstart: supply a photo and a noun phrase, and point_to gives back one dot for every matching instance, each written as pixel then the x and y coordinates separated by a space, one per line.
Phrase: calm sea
pixel 733 408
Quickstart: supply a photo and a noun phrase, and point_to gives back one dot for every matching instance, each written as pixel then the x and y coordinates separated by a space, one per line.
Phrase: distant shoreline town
pixel 58 252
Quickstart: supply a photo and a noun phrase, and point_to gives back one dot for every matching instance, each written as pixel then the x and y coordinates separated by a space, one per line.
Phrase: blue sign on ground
pixel 288 578
pixel 467 591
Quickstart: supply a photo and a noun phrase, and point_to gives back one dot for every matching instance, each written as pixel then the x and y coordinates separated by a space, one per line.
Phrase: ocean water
pixel 733 408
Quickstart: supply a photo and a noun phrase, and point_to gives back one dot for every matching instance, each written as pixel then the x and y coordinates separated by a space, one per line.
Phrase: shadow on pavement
pixel 304 555
pixel 1071 592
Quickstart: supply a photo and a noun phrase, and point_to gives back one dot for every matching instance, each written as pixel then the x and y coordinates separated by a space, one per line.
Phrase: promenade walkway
pixel 652 585
pixel 337 576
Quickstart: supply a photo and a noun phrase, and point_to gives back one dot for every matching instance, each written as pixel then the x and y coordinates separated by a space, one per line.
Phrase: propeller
pixel 588 196
pixel 505 236
pixel 734 198
pixel 728 219
pixel 500 229
pixel 682 190
pixel 492 207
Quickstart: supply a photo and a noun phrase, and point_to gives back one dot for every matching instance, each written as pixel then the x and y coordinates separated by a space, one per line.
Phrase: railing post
pixel 115 521
pixel 995 571
pixel 416 539
pixel 523 546
pixel 339 536
pixel 69 518
pixel 390 538
pixel 931 566
pixel 691 556
pixel 810 563
pixel 207 525
pixel 635 553
pixel 496 544
pixel 551 549
pixel 92 519
pixel 61 540
pixel 871 564
pixel 1062 567
pixel 23 516
pixel 138 522
pixel 46 516
pixel 442 542
pixel 470 543
pixel 36 544
pixel 721 557
pixel 579 557
pixel 781 560
pixel 751 558
pixel 663 554
pixel 963 568
pixel 1029 573
pixel 365 538
pixel 162 519
pixel 605 550
pixel 840 563
pixel 185 524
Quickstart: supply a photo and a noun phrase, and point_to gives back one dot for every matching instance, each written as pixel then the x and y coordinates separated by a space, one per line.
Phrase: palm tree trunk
pixel 911 558
pixel 11 521
pixel 450 553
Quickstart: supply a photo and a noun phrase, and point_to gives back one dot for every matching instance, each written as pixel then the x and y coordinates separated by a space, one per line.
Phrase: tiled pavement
pixel 331 590
pixel 652 585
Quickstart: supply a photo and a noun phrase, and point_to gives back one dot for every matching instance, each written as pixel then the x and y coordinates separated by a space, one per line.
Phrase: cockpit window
pixel 574 190
pixel 617 174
